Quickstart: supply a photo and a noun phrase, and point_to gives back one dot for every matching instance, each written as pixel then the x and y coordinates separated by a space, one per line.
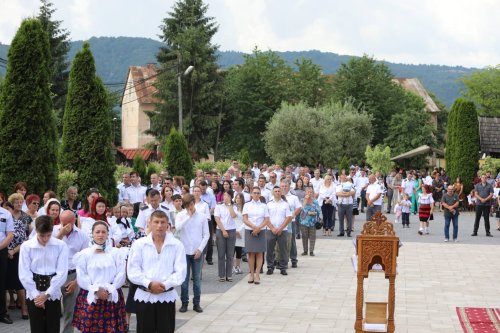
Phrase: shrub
pixel 66 178
pixel 120 170
pixel 177 157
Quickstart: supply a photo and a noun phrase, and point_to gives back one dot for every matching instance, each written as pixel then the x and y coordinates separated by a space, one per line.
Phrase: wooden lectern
pixel 377 244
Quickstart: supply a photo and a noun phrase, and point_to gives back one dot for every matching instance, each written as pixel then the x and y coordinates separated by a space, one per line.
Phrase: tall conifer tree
pixel 28 137
pixel 58 64
pixel 87 131
pixel 187 33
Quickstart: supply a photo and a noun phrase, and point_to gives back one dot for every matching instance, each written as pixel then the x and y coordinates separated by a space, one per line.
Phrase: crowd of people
pixel 80 254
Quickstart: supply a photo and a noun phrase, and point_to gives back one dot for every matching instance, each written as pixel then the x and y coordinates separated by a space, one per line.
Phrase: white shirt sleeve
pixel 61 271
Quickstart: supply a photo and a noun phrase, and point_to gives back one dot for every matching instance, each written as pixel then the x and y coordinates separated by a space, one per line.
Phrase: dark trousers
pixel 345 213
pixel 328 212
pixel 209 248
pixel 3 278
pixel 155 317
pixel 405 217
pixel 390 194
pixel 45 320
pixel 485 211
pixel 363 200
pixel 272 239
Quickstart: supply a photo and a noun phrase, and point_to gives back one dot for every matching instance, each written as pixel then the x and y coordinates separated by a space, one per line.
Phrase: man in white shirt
pixel 209 199
pixel 256 170
pixel 122 186
pixel 157 264
pixel 238 186
pixel 295 208
pixel 273 181
pixel 155 182
pixel 264 192
pixel 345 200
pixel 409 185
pixel 280 216
pixel 6 236
pixel 76 240
pixel 43 269
pixel 154 198
pixel 373 197
pixel 316 182
pixel 135 192
pixel 362 185
pixel 198 173
pixel 193 230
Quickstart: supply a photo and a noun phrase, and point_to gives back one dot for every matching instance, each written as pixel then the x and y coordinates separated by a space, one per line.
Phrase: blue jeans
pixel 447 219
pixel 195 265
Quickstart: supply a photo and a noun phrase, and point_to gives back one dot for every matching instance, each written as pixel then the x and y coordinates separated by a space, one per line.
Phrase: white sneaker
pixel 456 240
pixel 234 270
pixel 238 270
pixel 446 240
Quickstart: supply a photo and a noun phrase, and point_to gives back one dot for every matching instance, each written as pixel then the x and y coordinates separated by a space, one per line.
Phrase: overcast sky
pixel 450 32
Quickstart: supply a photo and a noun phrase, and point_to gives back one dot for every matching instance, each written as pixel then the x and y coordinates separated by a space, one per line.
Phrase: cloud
pixel 11 15
pixel 81 18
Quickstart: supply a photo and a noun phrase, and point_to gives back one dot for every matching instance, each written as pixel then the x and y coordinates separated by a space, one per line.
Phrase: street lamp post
pixel 179 92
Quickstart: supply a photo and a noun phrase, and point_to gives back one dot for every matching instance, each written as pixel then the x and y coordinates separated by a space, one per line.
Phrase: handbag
pixel 318 224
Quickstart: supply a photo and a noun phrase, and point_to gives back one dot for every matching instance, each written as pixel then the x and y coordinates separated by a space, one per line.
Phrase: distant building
pixel 489 134
pixel 138 97
pixel 415 86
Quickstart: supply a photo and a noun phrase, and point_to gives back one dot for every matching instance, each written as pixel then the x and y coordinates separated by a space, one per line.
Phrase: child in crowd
pixel 397 211
pixel 405 210
pixel 124 224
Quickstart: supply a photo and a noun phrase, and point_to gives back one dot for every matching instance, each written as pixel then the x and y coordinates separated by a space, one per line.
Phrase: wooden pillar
pixel 358 326
pixel 392 300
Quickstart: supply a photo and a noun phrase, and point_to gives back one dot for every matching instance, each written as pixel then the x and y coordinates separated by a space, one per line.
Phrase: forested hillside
pixel 113 55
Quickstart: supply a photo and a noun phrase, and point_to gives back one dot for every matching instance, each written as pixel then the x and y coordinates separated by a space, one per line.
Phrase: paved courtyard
pixel 319 296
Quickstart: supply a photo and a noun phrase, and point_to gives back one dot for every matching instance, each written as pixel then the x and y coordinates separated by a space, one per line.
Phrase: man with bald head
pixel 76 240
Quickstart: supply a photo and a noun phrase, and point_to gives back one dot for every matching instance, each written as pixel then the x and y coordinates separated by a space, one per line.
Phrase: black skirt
pixel 12 282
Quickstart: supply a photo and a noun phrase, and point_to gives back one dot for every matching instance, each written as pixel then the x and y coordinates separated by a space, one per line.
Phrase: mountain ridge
pixel 113 56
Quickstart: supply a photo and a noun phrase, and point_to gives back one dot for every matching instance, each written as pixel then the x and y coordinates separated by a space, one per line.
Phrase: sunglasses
pixel 256 193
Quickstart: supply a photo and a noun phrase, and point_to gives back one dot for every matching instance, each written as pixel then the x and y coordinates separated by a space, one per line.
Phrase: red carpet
pixel 479 320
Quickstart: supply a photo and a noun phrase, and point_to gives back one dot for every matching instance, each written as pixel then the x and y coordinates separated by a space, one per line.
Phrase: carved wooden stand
pixel 377 244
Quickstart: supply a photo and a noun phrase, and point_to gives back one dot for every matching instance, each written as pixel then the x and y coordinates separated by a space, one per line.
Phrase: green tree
pixel 187 35
pixel 344 164
pixel 370 83
pixel 350 130
pixel 59 47
pixel 466 144
pixel 309 84
pixel 87 131
pixel 254 90
pixel 302 134
pixel 379 158
pixel 28 136
pixel 415 120
pixel 177 157
pixel 139 165
pixel 452 137
pixel 483 87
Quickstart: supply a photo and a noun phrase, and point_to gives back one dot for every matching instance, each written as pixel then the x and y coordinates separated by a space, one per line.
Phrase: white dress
pixel 96 270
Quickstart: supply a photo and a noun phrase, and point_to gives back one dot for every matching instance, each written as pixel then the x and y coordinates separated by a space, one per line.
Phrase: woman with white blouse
pixel 327 199
pixel 425 209
pixel 239 201
pixel 43 269
pixel 256 218
pixel 100 274
pixel 224 214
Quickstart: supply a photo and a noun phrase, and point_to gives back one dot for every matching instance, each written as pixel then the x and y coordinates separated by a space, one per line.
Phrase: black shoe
pixel 349 234
pixel 25 317
pixel 362 211
pixel 312 254
pixel 283 272
pixel 420 232
pixel 269 272
pixel 197 308
pixel 298 236
pixel 183 308
pixel 244 259
pixel 489 235
pixel 304 253
pixel 6 319
pixel 474 234
pixel 210 262
pixel 294 265
pixel 340 235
